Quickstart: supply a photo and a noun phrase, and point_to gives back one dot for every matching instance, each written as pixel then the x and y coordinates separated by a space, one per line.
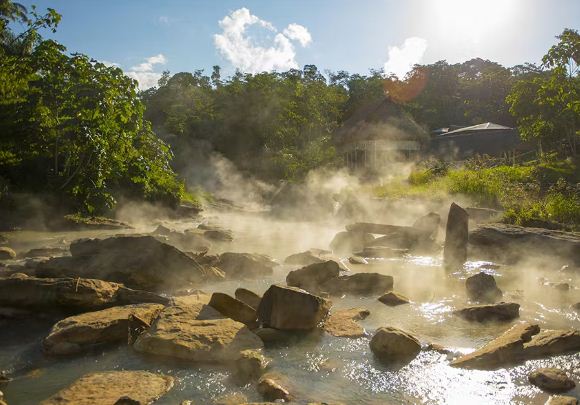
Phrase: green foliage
pixel 74 127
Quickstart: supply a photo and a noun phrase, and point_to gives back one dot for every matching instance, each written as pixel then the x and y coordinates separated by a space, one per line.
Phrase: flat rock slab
pixel 245 265
pixel 138 261
pixel 196 333
pixel 303 258
pixel 551 379
pixel 342 323
pixel 393 299
pixel 522 342
pixel 107 388
pixel 503 311
pixel 359 284
pixel 76 333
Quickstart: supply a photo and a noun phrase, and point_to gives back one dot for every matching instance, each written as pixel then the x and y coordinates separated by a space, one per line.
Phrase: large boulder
pixel 428 224
pixel 187 240
pixel 394 345
pixel 290 308
pixel 303 258
pixel 551 379
pixel 196 333
pixel 482 287
pixel 248 297
pixel 7 253
pixel 350 241
pixel 522 342
pixel 456 237
pixel 109 387
pixel 342 323
pixel 68 295
pixel 510 243
pixel 137 261
pixel 311 277
pixel 245 265
pixel 234 309
pixel 76 333
pixel 503 311
pixel 393 299
pixel 359 284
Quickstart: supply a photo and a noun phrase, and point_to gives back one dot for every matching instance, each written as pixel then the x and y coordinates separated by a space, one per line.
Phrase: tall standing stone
pixel 456 236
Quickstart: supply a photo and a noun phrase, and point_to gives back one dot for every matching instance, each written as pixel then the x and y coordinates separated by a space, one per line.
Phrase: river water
pixel 322 367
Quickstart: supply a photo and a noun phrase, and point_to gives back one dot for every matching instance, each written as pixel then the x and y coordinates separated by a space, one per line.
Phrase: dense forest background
pixel 79 132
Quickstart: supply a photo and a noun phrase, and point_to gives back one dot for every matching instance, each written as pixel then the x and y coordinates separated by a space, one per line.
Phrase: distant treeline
pixel 78 130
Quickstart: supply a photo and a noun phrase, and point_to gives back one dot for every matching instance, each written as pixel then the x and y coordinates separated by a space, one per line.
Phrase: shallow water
pixel 322 367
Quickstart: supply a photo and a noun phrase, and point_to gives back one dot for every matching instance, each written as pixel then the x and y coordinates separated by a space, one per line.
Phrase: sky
pixel 146 37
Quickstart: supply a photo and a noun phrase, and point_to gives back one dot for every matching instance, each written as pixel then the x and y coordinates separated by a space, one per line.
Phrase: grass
pixel 538 193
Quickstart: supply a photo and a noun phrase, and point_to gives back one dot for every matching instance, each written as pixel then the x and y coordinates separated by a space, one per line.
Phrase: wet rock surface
pixel 106 388
pixel 196 332
pixel 342 323
pixel 551 379
pixel 272 390
pixel 482 287
pixel 245 265
pixel 561 400
pixel 303 258
pixel 393 345
pixel 456 237
pixel 393 299
pixel 503 311
pixel 250 365
pixel 313 276
pixel 74 334
pixel 7 253
pixel 290 308
pixel 359 284
pixel 248 297
pixel 234 309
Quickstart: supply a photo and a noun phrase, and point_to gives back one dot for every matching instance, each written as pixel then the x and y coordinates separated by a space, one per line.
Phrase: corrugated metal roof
pixel 487 126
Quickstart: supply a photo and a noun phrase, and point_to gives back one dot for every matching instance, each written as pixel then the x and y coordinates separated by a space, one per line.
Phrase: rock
pixel 106 388
pixel 3 240
pixel 428 224
pixel 76 223
pixel 137 261
pixel 68 295
pixel 522 342
pixel 510 243
pixel 357 260
pixel 45 252
pixel 220 235
pixel 503 311
pixel 482 287
pixel 483 215
pixel 234 309
pixel 126 400
pixel 235 398
pixel 311 277
pixel 303 259
pixel 393 299
pixel 271 336
pixel 342 323
pixel 551 379
pixel 348 242
pixel 381 252
pixel 359 284
pixel 271 390
pixel 245 265
pixel 394 345
pixel 248 297
pixel 456 237
pixel 561 400
pixel 250 366
pixel 7 253
pixel 196 333
pixel 186 241
pixel 576 307
pixel 75 334
pixel 290 308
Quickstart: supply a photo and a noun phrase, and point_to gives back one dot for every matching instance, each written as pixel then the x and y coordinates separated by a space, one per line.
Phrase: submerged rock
pixel 196 333
pixel 350 241
pixel 7 253
pixel 76 333
pixel 290 308
pixel 394 345
pixel 522 342
pixel 510 243
pixel 109 387
pixel 551 379
pixel 503 311
pixel 250 366
pixel 342 323
pixel 482 287
pixel 393 299
pixel 272 390
pixel 248 297
pixel 135 260
pixel 456 237
pixel 68 295
pixel 313 276
pixel 245 265
pixel 303 258
pixel 234 309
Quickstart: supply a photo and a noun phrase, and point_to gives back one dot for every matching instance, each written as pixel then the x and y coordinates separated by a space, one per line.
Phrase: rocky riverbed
pixel 238 308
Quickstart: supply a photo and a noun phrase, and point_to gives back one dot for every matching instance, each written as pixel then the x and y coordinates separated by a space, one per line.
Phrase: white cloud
pixel 401 59
pixel 109 64
pixel 299 33
pixel 145 72
pixel 237 46
pixel 163 19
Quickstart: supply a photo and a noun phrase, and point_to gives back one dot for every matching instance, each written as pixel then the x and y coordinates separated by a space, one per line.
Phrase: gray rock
pixel 392 345
pixel 503 311
pixel 482 287
pixel 303 259
pixel 313 276
pixel 456 237
pixel 234 309
pixel 245 265
pixel 393 299
pixel 551 379
pixel 248 297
